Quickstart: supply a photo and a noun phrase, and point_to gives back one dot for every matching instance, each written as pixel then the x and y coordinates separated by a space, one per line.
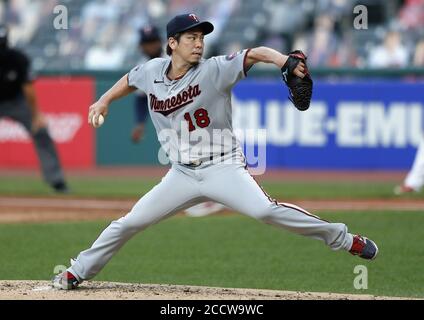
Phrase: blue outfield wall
pixel 350 125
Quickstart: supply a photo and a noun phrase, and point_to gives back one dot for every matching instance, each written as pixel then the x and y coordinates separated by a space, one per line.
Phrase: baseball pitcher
pixel 190 106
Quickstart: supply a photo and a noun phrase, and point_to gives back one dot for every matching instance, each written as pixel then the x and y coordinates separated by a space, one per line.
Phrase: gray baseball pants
pixel 183 187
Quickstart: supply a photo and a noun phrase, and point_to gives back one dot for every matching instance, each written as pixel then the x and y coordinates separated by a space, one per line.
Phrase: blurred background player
pixel 18 102
pixel 414 180
pixel 204 209
pixel 150 46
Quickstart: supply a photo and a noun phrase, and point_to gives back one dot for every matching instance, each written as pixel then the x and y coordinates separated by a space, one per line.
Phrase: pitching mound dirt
pixel 93 290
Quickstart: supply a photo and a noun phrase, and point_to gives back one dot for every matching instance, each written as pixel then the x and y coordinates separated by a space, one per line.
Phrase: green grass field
pixel 225 251
pixel 230 251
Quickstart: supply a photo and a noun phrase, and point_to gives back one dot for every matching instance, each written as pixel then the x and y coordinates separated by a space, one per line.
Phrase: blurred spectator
pixel 107 54
pixel 346 54
pixel 2 11
pixel 285 18
pixel 183 6
pixel 95 15
pixel 301 43
pixel 218 15
pixel 411 16
pixel 275 42
pixel 24 17
pixel 323 45
pixel 335 8
pixel 391 54
pixel 322 28
pixel 156 8
pixel 419 54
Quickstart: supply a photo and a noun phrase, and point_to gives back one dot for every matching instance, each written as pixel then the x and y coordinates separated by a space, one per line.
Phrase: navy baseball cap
pixel 184 22
pixel 149 33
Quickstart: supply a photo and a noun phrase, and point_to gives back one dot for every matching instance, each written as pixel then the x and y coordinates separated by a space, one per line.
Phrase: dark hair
pixel 177 37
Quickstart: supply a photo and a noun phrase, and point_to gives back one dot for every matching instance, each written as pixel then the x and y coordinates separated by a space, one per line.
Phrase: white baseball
pixel 100 121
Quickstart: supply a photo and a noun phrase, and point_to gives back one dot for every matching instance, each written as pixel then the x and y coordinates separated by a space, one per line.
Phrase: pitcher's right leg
pixel 175 192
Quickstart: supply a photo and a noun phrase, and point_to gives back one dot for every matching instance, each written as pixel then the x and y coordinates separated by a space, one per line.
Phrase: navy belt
pixel 195 164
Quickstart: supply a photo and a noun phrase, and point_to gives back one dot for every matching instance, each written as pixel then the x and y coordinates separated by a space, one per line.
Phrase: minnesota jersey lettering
pixel 174 103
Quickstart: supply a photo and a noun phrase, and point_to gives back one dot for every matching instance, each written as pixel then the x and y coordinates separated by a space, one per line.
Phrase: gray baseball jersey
pixel 144 58
pixel 192 115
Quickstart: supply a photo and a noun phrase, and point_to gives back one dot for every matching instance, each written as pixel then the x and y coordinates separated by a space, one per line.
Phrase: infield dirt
pixel 42 290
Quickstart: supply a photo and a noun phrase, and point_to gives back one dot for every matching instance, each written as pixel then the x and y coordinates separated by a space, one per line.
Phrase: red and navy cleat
pixel 65 281
pixel 364 247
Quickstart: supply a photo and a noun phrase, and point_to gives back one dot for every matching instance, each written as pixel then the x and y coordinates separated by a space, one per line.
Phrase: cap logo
pixel 193 17
pixel 147 30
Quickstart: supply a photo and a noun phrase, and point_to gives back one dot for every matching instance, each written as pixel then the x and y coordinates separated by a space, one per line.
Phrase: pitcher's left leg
pixel 233 186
